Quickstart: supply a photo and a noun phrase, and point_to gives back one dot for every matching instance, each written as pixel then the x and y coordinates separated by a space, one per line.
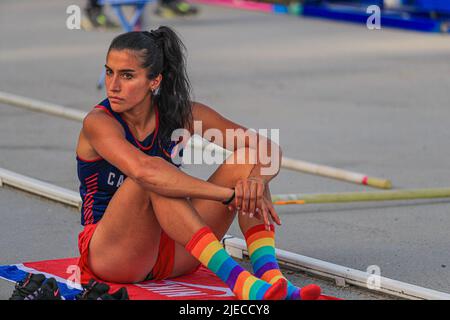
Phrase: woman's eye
pixel 108 72
pixel 127 76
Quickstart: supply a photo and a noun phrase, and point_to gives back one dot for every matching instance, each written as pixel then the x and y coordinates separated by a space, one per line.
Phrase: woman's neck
pixel 141 115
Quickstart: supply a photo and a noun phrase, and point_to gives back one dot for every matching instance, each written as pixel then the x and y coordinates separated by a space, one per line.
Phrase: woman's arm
pixel 105 135
pixel 250 191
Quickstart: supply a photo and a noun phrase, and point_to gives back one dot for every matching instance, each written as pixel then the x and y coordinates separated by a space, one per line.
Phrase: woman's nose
pixel 114 84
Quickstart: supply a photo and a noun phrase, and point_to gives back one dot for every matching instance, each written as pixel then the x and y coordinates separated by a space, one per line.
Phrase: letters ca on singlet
pixel 115 179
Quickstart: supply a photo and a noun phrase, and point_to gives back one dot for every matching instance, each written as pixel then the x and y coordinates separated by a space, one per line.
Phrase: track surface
pixel 368 101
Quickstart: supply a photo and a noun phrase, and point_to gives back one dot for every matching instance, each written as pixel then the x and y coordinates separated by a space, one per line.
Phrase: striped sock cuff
pixel 257 228
pixel 197 237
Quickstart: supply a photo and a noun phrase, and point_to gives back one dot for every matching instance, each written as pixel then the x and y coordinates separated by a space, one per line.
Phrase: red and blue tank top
pixel 99 179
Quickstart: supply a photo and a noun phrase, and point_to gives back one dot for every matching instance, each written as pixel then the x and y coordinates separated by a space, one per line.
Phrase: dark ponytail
pixel 162 52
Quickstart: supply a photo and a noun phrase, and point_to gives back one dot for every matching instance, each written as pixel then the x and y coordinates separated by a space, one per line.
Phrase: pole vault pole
pixel 391 195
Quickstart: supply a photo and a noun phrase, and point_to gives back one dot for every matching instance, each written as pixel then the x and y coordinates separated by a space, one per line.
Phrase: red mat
pixel 201 285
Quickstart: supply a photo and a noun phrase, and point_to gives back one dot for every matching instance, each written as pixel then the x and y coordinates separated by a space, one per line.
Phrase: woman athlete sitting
pixel 143 217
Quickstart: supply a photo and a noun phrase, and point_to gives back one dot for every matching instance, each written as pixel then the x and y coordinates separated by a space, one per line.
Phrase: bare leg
pixel 215 214
pixel 125 244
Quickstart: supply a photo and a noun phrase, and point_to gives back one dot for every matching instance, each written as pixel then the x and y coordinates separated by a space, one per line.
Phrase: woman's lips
pixel 115 99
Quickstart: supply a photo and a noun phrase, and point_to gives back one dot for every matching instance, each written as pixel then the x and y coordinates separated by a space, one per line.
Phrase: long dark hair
pixel 162 52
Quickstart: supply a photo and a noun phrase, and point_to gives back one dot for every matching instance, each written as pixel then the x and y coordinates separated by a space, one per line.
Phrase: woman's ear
pixel 155 83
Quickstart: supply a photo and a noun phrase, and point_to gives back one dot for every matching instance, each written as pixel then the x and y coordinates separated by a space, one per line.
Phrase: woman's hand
pixel 249 195
pixel 253 198
pixel 267 212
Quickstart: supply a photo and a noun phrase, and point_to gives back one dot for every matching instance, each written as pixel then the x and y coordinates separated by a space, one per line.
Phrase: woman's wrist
pixel 229 199
pixel 256 174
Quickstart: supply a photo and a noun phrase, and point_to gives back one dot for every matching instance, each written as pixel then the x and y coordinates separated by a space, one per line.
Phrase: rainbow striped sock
pixel 209 251
pixel 261 248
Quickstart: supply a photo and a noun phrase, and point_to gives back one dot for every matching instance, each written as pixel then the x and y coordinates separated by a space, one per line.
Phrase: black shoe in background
pixel 27 286
pixel 48 291
pixel 93 290
pixel 121 294
pixel 174 8
pixel 95 18
pixel 89 21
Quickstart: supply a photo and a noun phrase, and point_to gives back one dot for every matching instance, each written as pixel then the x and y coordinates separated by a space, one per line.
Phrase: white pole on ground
pixel 303 166
pixel 39 188
pixel 390 195
pixel 335 173
pixel 39 106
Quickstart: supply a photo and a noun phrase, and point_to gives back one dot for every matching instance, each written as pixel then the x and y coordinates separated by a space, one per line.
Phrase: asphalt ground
pixel 341 95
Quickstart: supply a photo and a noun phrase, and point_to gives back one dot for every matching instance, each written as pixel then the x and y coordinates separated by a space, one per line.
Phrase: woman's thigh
pixel 124 246
pixel 214 214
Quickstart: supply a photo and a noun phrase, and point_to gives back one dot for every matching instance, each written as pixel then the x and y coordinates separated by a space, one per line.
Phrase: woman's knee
pixel 243 156
pixel 132 186
pixel 137 191
pixel 237 166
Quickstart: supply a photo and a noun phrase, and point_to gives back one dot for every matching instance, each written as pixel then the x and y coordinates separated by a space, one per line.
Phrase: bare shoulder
pixel 93 116
pixel 211 118
pixel 202 112
pixel 97 125
pixel 98 121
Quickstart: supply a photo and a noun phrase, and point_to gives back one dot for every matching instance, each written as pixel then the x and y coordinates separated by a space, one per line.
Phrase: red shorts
pixel 161 270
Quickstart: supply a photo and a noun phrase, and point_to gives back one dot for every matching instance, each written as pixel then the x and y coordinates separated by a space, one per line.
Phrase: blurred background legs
pixel 94 17
pixel 173 8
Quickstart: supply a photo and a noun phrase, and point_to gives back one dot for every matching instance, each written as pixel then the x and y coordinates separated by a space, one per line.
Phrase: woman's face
pixel 126 81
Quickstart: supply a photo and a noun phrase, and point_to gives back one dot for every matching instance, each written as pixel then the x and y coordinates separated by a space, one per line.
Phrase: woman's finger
pixel 265 214
pixel 253 193
pixel 273 213
pixel 259 196
pixel 245 197
pixel 238 195
pixel 258 213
